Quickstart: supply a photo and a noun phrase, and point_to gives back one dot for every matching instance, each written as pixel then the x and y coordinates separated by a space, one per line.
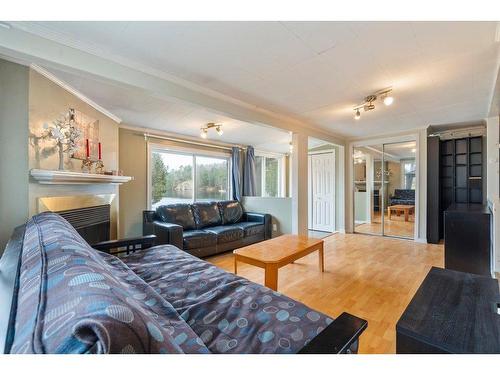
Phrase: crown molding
pixel 74 92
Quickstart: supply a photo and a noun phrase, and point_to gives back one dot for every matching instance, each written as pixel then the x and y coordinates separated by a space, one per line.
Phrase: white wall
pixel 299 184
pixel 279 208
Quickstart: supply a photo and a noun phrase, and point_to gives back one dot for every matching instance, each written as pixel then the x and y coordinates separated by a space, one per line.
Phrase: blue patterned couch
pixel 403 196
pixel 67 297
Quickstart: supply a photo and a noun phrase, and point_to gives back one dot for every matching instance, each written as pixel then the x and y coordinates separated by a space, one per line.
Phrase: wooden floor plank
pixel 371 277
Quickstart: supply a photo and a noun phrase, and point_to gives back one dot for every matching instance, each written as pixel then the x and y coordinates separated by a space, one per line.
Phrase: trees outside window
pixel 268 176
pixel 180 177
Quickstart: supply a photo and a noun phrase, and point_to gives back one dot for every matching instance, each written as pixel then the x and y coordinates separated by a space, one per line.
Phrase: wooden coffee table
pixel 407 210
pixel 276 253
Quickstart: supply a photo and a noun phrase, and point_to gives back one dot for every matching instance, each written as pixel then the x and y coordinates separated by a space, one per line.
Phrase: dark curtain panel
pixel 236 175
pixel 249 174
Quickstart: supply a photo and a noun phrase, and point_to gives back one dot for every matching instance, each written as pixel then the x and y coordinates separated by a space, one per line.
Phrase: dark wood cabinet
pixel 455 174
pixel 467 244
pixel 376 200
pixel 452 312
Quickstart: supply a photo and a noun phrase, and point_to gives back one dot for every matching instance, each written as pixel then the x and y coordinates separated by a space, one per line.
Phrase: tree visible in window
pixel 271 177
pixel 211 178
pixel 159 178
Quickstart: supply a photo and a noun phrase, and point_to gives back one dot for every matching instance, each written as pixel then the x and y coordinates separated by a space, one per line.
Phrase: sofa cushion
pixel 226 233
pixel 231 211
pixel 193 239
pixel 75 299
pixel 404 193
pixel 229 313
pixel 181 214
pixel 250 228
pixel 206 214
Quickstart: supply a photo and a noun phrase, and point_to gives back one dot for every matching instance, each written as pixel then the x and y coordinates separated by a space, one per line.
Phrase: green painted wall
pixel 14 90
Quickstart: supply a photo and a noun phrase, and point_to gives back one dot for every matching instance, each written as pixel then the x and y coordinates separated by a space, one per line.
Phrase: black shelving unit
pixel 455 176
pixel 461 171
pixel 376 200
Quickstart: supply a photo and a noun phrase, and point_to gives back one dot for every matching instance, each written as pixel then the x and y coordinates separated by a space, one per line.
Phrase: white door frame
pixel 310 190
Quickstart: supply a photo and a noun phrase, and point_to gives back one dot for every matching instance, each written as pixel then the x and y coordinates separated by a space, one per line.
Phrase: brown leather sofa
pixel 206 228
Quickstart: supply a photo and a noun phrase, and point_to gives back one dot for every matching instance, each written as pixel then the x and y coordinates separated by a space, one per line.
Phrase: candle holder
pixel 99 167
pixel 87 165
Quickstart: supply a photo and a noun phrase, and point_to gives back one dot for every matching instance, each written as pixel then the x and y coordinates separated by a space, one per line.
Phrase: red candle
pixel 87 148
pixel 100 152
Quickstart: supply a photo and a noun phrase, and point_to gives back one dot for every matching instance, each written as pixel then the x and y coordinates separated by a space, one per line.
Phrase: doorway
pixel 385 185
pixel 322 191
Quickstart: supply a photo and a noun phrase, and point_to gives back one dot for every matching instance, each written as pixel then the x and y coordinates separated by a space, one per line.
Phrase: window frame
pixel 280 177
pixel 170 149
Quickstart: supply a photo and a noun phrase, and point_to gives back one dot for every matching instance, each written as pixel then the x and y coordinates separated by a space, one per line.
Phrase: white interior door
pixel 322 184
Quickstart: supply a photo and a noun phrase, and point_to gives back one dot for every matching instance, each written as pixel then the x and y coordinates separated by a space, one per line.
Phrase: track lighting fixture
pixel 219 131
pixel 368 105
pixel 357 116
pixel 210 125
pixel 388 99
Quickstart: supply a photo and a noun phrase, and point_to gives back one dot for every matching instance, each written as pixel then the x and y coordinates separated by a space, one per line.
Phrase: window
pixel 268 172
pixel 178 177
pixel 409 180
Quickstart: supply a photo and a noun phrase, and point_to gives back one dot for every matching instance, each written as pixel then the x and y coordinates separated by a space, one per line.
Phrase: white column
pixel 299 184
pixel 369 187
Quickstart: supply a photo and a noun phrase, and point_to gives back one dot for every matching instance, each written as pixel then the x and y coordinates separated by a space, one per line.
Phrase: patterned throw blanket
pixel 75 299
pixel 229 313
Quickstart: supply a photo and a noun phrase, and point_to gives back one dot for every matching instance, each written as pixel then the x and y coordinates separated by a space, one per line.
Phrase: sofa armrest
pixel 166 233
pixel 340 337
pixel 265 219
pixel 130 244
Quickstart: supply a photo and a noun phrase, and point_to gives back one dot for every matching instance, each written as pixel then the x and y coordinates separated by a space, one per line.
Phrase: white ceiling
pixel 441 72
pixel 139 109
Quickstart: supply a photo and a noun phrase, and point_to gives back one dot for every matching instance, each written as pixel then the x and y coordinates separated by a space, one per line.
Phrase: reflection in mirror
pixel 367 190
pixel 400 177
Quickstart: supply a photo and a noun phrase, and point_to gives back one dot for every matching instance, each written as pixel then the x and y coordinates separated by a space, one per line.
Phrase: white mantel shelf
pixel 44 176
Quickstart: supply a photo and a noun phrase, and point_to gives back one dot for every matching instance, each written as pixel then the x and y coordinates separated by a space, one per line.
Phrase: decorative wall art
pixel 73 134
pixel 88 145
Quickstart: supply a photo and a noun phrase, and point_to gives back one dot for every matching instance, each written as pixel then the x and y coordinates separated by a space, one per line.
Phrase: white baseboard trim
pixel 420 240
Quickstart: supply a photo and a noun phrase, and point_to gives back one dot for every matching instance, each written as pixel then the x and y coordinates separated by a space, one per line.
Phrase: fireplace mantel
pixel 44 176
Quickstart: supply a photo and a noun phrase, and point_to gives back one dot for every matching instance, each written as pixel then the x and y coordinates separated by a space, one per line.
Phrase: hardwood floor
pixel 371 277
pixel 396 226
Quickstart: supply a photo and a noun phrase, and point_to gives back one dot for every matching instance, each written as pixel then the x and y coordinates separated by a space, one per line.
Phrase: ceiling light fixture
pixel 210 125
pixel 388 99
pixel 368 105
pixel 218 129
pixel 357 115
pixel 203 133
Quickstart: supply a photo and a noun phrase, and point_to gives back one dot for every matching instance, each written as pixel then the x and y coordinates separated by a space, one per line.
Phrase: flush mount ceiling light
pixel 367 105
pixel 210 125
